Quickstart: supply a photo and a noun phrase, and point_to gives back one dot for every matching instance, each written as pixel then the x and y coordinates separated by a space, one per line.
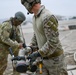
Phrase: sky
pixel 59 7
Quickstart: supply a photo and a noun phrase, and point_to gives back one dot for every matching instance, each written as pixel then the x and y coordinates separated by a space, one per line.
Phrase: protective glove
pixel 34 48
pixel 33 56
pixel 24 45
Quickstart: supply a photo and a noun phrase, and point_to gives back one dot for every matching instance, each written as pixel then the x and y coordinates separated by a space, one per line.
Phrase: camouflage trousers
pixel 3 59
pixel 9 70
pixel 54 66
pixel 3 66
pixel 3 62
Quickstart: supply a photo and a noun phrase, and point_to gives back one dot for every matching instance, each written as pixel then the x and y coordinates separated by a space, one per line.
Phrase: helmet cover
pixel 29 4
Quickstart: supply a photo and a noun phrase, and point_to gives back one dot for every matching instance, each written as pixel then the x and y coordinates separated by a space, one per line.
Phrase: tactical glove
pixel 34 48
pixel 33 56
pixel 24 45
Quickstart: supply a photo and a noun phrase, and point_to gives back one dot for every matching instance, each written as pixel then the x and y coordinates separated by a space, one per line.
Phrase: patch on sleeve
pixel 51 22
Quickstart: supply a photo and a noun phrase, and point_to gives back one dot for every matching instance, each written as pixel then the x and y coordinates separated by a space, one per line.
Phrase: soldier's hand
pixel 34 48
pixel 33 56
pixel 24 45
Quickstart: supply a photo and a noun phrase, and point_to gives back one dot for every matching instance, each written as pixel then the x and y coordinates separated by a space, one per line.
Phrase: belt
pixel 55 54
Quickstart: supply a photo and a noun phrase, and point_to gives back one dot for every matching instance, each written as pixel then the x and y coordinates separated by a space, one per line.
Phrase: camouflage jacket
pixel 10 34
pixel 46 35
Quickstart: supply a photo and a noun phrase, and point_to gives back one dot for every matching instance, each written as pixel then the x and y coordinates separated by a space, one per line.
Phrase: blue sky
pixel 58 7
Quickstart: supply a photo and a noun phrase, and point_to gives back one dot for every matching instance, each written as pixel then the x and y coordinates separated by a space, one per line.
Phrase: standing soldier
pixel 46 36
pixel 10 37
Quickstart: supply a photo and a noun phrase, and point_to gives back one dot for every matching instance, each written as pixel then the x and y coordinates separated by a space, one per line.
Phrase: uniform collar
pixel 40 10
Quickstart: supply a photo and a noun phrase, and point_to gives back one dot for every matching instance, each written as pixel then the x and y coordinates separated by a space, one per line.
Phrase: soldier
pixel 10 37
pixel 46 36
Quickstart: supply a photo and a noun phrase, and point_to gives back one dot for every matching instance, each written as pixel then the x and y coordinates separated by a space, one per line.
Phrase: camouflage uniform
pixel 46 36
pixel 9 37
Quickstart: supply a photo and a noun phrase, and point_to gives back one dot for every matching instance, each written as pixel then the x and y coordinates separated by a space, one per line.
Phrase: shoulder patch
pixel 51 22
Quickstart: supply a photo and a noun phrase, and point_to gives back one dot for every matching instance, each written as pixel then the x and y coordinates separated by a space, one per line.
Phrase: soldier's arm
pixel 33 40
pixel 5 34
pixel 50 26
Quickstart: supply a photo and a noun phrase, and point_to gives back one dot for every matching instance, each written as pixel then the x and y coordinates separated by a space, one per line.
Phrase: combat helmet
pixel 29 4
pixel 20 16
